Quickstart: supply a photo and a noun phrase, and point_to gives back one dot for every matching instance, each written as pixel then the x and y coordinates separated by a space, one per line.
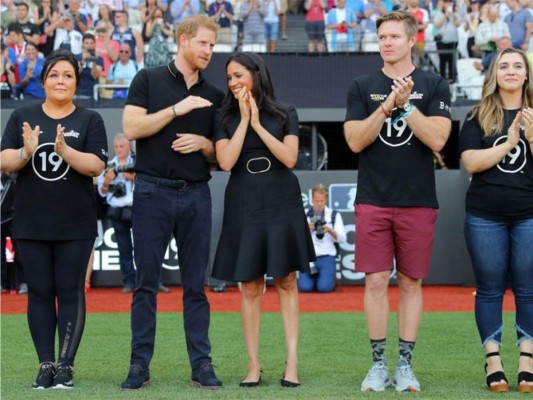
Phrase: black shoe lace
pixel 206 368
pixel 136 370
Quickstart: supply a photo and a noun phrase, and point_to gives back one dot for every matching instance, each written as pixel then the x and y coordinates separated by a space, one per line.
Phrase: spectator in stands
pixel 81 22
pixel 16 42
pixel 271 19
pixel 422 18
pixel 91 67
pixel 47 13
pixel 256 133
pixel 7 73
pixel 447 20
pixel 104 14
pixel 253 24
pixel 116 187
pixel 30 74
pixel 341 22
pixel 66 37
pixel 490 30
pixel 520 23
pixel 472 21
pixel 123 33
pixel 105 47
pixel 501 44
pixel 181 9
pixel 373 10
pixel 157 32
pixel 222 12
pixel 284 8
pixel 327 231
pixel 395 133
pixel 56 147
pixel 147 12
pixel 123 71
pixel 31 31
pixel 8 10
pixel 496 144
pixel 315 25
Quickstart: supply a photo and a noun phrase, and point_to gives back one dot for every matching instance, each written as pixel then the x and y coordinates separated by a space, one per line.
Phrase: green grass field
pixel 334 358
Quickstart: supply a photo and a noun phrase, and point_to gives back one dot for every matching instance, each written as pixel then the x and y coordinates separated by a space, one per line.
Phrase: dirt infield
pixel 349 298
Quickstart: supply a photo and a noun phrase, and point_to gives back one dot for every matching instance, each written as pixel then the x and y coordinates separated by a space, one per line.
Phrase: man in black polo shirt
pixel 170 112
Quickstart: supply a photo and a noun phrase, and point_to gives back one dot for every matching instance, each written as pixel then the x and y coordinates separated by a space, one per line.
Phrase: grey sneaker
pixel 404 377
pixel 377 378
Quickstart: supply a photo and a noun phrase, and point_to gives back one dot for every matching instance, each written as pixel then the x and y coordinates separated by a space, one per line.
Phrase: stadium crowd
pixel 105 34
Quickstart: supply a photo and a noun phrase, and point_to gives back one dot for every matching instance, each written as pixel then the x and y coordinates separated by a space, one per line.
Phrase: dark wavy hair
pixel 60 55
pixel 263 91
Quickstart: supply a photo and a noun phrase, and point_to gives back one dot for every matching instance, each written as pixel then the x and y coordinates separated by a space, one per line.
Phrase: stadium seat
pixel 222 48
pixel 469 80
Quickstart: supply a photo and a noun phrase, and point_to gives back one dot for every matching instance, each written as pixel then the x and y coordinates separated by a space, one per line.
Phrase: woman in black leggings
pixel 56 148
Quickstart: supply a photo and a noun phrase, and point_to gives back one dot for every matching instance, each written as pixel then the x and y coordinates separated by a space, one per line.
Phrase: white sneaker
pixel 377 378
pixel 404 378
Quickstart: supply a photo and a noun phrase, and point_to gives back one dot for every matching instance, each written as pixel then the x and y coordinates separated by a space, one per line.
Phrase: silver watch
pixel 407 106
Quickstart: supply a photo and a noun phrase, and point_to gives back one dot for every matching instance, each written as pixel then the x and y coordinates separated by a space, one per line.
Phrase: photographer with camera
pixel 91 66
pixel 327 231
pixel 116 185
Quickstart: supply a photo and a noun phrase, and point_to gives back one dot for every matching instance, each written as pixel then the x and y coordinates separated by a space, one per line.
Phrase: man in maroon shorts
pixel 395 131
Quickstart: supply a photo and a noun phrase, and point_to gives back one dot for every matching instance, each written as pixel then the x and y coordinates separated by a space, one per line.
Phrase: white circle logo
pixel 47 164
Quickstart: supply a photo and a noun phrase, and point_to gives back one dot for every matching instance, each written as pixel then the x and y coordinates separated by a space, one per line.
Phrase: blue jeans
pixel 125 251
pixel 324 279
pixel 158 213
pixel 500 251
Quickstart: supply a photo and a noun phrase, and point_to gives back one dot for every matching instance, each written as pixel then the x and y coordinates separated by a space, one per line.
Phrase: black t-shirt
pixel 504 192
pixel 155 89
pixel 29 28
pixel 397 169
pixel 52 200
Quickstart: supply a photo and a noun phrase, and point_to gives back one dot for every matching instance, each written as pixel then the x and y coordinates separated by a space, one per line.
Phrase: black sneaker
pixel 137 378
pixel 45 378
pixel 204 377
pixel 63 377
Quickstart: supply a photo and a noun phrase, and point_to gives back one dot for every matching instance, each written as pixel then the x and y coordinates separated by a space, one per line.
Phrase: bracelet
pixel 21 155
pixel 174 111
pixel 387 114
pixel 406 114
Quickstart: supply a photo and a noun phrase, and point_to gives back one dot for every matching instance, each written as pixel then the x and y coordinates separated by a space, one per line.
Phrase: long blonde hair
pixel 490 111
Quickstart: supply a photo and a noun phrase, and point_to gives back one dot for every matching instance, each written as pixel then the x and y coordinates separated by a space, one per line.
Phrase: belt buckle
pixel 261 171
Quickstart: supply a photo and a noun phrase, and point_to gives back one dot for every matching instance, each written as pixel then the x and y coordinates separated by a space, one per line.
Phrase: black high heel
pixel 496 377
pixel 525 376
pixel 251 384
pixel 288 384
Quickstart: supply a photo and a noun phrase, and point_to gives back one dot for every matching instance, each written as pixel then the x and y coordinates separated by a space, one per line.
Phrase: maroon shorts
pixel 386 233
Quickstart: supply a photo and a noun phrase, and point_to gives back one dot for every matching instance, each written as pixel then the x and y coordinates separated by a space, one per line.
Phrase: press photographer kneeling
pixel 116 185
pixel 327 231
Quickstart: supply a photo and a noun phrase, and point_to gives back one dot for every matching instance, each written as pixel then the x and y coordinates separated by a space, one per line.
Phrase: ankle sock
pixel 378 349
pixel 406 349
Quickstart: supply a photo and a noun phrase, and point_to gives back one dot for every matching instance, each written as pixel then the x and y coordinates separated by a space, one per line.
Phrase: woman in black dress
pixel 56 148
pixel 264 229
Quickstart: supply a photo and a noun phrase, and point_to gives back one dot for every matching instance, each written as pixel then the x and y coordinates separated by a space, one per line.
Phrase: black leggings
pixel 56 270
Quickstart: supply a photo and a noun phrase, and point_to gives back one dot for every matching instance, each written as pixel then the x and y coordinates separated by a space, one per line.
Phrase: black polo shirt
pixel 155 89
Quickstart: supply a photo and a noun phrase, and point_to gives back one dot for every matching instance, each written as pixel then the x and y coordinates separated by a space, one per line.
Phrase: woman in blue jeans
pixel 496 144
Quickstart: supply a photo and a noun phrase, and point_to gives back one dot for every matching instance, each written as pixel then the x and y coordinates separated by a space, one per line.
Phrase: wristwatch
pixel 407 106
pixel 21 155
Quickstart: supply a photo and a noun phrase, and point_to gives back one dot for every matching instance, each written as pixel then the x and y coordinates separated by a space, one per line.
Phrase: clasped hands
pixel 248 108
pixel 187 143
pixel 401 91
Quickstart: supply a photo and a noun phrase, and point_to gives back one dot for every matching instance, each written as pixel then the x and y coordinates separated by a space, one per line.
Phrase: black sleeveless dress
pixel 264 229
